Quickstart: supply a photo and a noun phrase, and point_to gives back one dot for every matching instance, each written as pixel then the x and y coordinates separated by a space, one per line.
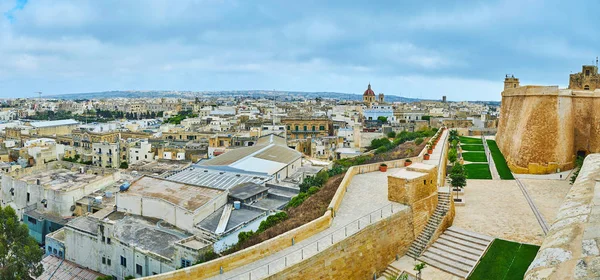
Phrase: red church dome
pixel 369 91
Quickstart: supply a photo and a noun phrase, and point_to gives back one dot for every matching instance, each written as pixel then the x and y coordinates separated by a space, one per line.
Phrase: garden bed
pixel 472 147
pixel 475 156
pixel 469 140
pixel 478 171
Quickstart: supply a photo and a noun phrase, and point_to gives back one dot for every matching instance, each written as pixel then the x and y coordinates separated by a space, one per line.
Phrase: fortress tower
pixel 381 98
pixel 587 79
pixel 511 82
pixel 542 129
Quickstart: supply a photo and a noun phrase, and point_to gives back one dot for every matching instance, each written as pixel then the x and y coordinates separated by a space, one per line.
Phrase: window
pixel 123 261
pixel 185 263
pixel 54 251
pixel 108 262
pixel 138 269
pixel 296 128
pixel 103 239
pixel 424 182
pixel 49 249
pixel 28 197
pixel 322 127
pixel 313 128
pixel 288 127
pixel 305 128
pixel 103 260
pixel 31 220
pixel 587 72
pixel 586 87
pixel 108 240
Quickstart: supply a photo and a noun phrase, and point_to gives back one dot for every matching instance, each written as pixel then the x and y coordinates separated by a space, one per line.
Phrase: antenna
pixel 596 62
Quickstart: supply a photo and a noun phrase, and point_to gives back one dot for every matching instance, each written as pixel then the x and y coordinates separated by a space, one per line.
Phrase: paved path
pixel 437 156
pixel 535 210
pixel 492 165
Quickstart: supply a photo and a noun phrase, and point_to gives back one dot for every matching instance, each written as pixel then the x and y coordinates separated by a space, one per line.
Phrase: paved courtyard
pixel 498 208
pixel 547 195
pixel 407 263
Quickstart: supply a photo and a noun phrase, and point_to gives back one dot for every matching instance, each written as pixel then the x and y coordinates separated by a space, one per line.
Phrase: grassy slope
pixel 505 260
pixel 477 148
pixel 478 171
pixel 474 157
pixel 500 162
pixel 469 140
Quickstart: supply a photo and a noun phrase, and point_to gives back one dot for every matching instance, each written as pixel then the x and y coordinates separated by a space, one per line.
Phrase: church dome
pixel 369 91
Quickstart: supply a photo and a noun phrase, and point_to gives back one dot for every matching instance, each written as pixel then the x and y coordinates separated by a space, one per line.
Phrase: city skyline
pixel 401 49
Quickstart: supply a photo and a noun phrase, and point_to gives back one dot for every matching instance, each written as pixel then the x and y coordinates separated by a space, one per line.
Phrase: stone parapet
pixel 570 250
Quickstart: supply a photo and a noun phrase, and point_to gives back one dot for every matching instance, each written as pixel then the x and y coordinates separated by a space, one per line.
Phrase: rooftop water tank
pixel 237 205
pixel 98 200
pixel 124 187
pixel 108 194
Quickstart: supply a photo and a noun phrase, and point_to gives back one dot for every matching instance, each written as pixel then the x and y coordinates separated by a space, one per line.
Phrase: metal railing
pixel 329 239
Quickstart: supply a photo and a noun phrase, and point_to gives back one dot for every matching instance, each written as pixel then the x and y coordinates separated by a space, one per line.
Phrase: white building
pixel 139 150
pixel 106 154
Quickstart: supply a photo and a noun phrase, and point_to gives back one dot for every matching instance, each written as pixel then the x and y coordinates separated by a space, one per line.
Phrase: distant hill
pixel 234 93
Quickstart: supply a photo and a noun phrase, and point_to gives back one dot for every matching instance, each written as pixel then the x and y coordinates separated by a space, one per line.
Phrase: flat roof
pixel 420 165
pixel 184 195
pixel 84 223
pixel 246 190
pixel 147 234
pixel 403 173
pixel 220 178
pixel 57 268
pixel 60 179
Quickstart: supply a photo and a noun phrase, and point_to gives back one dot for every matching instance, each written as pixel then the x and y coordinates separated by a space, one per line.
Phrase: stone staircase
pixel 457 251
pixel 390 272
pixel 419 245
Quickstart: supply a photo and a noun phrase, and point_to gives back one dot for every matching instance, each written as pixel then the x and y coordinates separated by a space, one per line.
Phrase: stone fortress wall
pixel 542 128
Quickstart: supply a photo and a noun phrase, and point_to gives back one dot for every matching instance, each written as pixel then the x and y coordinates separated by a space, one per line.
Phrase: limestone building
pixel 369 96
pixel 542 129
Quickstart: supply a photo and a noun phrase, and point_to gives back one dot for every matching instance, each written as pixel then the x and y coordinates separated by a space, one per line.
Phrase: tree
pixel 458 177
pixel 20 255
pixel 124 165
pixel 391 134
pixel 452 156
pixel 382 119
pixel 453 135
pixel 418 268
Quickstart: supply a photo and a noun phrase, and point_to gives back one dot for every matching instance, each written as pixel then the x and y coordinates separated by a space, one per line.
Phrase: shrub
pixel 419 141
pixel 297 200
pixel 271 221
pixel 391 134
pixel 313 190
pixel 245 235
pixel 208 256
pixel 124 165
pixel 383 164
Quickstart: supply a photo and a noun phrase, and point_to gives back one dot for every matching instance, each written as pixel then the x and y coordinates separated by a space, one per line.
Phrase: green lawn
pixel 477 148
pixel 500 162
pixel 505 260
pixel 475 156
pixel 469 140
pixel 478 171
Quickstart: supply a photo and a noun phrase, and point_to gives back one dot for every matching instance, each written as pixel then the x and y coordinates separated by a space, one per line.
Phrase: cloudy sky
pixel 408 48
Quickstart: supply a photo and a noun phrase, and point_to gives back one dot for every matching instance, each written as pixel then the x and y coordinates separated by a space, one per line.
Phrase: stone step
pixel 470 233
pixel 468 255
pixel 447 261
pixel 460 247
pixel 450 269
pixel 463 242
pixel 467 238
pixel 451 256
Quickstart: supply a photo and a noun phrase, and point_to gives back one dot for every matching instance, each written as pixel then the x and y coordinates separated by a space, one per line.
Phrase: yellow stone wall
pixel 360 256
pixel 538 126
pixel 419 193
